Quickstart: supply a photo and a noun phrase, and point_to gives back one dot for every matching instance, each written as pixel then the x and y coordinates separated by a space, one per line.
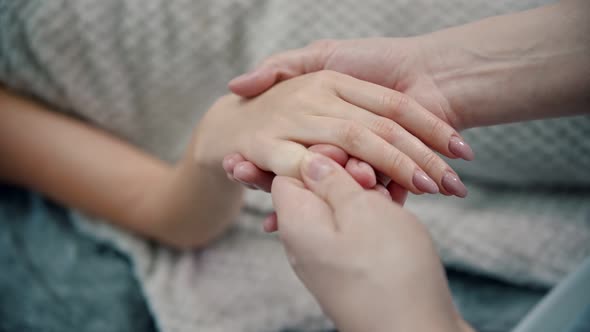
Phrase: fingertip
pixel 362 172
pixel 249 173
pixel 382 190
pixel 460 149
pixel 229 162
pixel 270 223
pixel 245 171
pixel 252 84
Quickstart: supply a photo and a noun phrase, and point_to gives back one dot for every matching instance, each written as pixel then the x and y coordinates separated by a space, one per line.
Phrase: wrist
pixel 467 77
pixel 513 67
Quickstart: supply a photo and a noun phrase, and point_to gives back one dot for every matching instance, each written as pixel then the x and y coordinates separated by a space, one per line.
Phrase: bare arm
pixel 524 66
pixel 80 166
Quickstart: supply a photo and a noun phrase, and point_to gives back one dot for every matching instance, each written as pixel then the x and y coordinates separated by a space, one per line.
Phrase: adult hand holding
pixel 370 264
pixel 502 69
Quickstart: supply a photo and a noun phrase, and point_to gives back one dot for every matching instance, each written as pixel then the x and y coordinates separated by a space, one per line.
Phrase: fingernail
pixel 424 183
pixel 316 166
pixel 453 184
pixel 459 148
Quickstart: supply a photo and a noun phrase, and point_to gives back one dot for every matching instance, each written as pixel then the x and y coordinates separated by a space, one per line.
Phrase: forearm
pixel 524 66
pixel 198 200
pixel 88 169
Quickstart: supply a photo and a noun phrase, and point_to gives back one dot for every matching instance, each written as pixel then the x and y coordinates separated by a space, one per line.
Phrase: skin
pixel 498 70
pixel 174 203
pixel 328 107
pixel 503 69
pixel 363 257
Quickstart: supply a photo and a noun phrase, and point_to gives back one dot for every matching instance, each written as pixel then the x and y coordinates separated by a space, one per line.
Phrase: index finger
pixel 407 112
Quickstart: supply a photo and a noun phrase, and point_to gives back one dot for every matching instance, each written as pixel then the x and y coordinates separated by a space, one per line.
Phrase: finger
pixel 302 216
pixel 329 181
pixel 398 193
pixel 279 67
pixel 363 144
pixel 436 168
pixel 407 112
pixel 247 172
pixel 270 223
pixel 362 172
pixel 333 152
pixel 229 163
pixel 280 157
pixel 382 190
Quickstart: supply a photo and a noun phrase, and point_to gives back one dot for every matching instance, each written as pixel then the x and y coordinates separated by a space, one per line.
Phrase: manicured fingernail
pixel 453 185
pixel 316 166
pixel 459 148
pixel 424 183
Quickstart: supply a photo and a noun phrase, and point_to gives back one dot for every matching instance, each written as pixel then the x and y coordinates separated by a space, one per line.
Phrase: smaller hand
pixel 370 264
pixel 239 169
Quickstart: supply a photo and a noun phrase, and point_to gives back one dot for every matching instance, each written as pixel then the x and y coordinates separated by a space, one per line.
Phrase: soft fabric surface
pixel 146 70
pixel 55 279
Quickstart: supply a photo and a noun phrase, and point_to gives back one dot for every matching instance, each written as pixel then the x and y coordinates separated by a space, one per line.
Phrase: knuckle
pixel 395 161
pixel 430 160
pixel 438 128
pixel 387 129
pixel 351 135
pixel 396 103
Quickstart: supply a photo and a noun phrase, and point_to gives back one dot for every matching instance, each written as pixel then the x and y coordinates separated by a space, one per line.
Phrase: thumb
pixel 279 67
pixel 329 181
pixel 300 213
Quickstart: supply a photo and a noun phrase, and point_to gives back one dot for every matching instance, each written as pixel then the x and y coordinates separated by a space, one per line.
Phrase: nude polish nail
pixel 424 183
pixel 459 148
pixel 453 185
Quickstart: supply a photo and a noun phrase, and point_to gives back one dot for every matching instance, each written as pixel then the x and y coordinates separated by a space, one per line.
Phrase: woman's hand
pixel 501 69
pixel 384 128
pixel 370 264
pixel 402 64
pixel 407 71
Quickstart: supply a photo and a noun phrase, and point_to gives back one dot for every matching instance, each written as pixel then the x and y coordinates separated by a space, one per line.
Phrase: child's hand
pixel 383 127
pixel 239 169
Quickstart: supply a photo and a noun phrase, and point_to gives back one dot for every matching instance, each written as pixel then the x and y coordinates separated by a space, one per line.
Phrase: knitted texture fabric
pixel 147 70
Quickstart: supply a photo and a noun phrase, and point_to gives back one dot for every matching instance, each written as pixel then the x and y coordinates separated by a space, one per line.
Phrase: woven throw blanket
pixel 146 70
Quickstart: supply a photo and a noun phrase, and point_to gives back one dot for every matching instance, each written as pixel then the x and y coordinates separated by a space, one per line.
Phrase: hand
pixel 367 121
pixel 402 64
pixel 245 172
pixel 238 169
pixel 370 264
pixel 488 72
